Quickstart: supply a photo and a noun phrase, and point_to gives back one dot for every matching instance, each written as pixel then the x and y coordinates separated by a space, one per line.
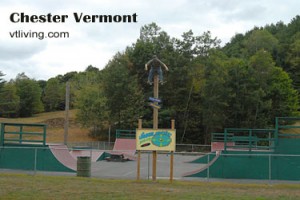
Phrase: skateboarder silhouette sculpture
pixel 155 65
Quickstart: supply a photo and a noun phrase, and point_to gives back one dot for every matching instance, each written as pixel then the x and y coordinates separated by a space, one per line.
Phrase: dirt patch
pixel 59 123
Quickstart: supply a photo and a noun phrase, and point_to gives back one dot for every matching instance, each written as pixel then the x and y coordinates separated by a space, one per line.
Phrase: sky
pixel 96 43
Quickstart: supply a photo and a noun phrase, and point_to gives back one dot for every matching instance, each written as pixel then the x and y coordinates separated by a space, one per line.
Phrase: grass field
pixel 55 128
pixel 22 186
pixel 15 186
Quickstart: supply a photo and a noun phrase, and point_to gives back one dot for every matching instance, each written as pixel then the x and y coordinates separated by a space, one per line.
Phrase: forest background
pixel 244 84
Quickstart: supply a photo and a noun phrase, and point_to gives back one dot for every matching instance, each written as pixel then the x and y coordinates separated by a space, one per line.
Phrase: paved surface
pixel 128 170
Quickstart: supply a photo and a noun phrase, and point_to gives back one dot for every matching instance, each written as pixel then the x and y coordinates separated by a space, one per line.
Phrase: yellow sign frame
pixel 156 139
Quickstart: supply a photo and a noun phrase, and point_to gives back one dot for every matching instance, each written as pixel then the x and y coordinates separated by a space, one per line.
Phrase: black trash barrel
pixel 84 166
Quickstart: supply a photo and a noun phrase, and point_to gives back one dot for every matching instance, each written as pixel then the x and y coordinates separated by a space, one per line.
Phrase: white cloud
pixel 96 43
pixel 20 50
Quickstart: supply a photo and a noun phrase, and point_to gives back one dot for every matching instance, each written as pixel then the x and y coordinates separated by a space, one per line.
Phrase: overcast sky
pixel 96 43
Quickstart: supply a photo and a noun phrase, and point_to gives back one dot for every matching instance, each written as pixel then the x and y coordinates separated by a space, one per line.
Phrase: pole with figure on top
pixel 157 72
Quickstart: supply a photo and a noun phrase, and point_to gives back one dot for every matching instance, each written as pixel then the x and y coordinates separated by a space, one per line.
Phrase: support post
pixel 208 160
pixel 172 155
pixel 276 130
pixel 2 134
pixel 44 135
pixel 155 125
pixel 270 168
pixel 225 140
pixel 35 161
pixel 138 171
pixel 140 124
pixel 171 166
pixel 21 134
pixel 173 124
pixel 109 129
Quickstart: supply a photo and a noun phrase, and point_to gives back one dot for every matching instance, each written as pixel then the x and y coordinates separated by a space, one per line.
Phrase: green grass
pixel 39 118
pixel 15 186
pixel 55 128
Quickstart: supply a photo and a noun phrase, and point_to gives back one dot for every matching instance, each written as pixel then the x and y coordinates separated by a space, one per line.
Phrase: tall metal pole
pixel 155 124
pixel 67 107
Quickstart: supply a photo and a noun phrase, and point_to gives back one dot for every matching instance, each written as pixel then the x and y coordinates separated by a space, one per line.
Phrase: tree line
pixel 246 83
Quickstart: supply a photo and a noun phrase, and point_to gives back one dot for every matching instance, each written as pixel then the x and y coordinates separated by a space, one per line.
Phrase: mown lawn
pixel 16 186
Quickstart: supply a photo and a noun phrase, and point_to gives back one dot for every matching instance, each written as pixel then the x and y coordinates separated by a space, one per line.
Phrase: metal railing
pixel 100 145
pixel 20 133
pixel 250 139
pixel 130 134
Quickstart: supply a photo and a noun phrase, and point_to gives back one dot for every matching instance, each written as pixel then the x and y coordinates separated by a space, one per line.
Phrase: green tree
pixel 293 62
pixel 54 95
pixel 206 90
pixel 177 94
pixel 93 112
pixel 10 101
pixel 235 47
pixel 214 94
pixel 285 100
pixel 239 92
pixel 152 41
pixel 125 98
pixel 91 68
pixel 294 26
pixel 261 39
pixel 247 86
pixel 258 91
pixel 1 80
pixel 30 96
pixel 90 100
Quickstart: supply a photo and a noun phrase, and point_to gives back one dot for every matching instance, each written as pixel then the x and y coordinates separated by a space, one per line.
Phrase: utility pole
pixel 67 108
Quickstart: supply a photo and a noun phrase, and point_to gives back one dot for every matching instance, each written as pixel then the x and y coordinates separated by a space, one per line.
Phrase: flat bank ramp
pixel 203 168
pixel 94 154
pixel 125 146
pixel 62 154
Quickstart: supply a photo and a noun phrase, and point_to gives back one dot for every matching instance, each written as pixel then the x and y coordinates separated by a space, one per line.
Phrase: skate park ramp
pixel 95 155
pixel 62 154
pixel 125 146
pixel 188 174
